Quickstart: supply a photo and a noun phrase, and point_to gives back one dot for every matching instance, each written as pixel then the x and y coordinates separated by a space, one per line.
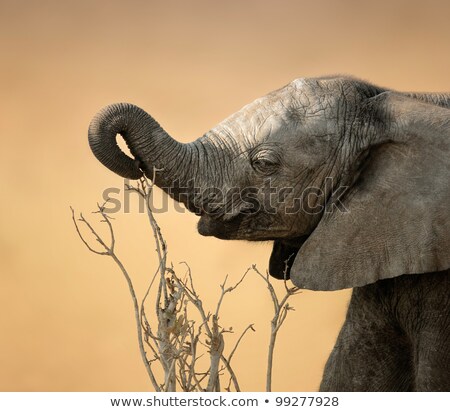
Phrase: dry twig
pixel 281 309
pixel 175 344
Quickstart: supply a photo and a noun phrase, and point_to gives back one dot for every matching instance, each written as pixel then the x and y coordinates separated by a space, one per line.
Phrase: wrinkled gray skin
pixel 381 226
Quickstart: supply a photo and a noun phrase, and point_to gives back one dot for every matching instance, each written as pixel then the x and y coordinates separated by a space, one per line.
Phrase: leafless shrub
pixel 179 341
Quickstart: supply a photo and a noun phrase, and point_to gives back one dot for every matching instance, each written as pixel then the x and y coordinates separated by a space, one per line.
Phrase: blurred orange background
pixel 66 320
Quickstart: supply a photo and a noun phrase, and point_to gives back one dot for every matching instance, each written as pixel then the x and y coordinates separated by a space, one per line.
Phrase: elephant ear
pixel 398 209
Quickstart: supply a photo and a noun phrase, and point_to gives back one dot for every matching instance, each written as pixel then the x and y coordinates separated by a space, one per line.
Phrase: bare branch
pixel 249 327
pixel 81 219
pixel 233 377
pixel 228 290
pixel 280 312
pixel 110 252
pixel 178 343
pixel 273 295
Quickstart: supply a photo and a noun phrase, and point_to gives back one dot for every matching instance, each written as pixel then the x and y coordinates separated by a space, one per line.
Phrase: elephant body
pixel 351 182
pixel 396 337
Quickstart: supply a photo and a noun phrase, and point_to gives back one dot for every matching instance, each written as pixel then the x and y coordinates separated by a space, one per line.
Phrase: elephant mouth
pixel 243 227
pixel 284 250
pixel 283 256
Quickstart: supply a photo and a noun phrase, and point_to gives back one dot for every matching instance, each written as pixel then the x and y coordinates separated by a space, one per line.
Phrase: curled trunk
pixel 150 145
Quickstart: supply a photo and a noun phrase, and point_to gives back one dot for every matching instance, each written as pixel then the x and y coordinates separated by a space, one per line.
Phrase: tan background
pixel 65 314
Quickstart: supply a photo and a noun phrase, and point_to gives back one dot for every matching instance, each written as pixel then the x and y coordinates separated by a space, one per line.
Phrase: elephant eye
pixel 265 163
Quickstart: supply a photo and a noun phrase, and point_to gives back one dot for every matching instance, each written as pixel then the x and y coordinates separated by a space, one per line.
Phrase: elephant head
pixel 349 180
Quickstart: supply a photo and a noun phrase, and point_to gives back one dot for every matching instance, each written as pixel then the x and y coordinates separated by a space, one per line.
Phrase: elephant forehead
pixel 244 130
pixel 265 113
pixel 301 102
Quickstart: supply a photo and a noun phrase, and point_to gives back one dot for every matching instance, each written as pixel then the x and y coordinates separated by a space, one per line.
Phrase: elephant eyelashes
pixel 264 163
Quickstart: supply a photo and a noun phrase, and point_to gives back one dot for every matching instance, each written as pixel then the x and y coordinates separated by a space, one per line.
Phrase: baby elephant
pixel 351 182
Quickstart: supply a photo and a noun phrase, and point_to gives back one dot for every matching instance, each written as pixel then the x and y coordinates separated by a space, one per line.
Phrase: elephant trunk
pixel 439 99
pixel 153 149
